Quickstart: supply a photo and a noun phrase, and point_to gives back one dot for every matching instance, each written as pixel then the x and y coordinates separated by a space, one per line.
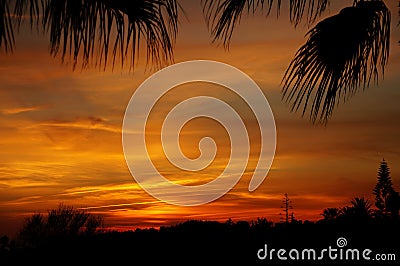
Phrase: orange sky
pixel 60 132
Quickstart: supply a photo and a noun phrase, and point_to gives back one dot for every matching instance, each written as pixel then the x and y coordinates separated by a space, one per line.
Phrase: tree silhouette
pixel 360 210
pixel 287 207
pixel 33 230
pixel 4 244
pixel 383 188
pixel 61 222
pixel 261 223
pixel 393 204
pixel 226 242
pixel 331 213
pixel 361 206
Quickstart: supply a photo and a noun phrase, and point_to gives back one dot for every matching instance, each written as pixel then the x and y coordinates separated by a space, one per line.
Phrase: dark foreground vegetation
pixel 210 242
pixel 66 235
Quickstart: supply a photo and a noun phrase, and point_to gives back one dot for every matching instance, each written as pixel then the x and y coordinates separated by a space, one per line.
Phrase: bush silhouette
pixel 59 223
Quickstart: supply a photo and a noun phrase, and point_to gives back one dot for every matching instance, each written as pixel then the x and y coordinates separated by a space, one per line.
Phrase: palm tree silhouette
pixel 95 29
pixel 360 210
pixel 361 205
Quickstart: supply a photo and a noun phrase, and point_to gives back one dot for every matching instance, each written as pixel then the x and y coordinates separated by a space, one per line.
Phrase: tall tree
pixel 287 207
pixel 383 188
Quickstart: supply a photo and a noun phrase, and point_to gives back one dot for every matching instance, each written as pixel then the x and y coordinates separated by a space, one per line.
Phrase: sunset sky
pixel 61 131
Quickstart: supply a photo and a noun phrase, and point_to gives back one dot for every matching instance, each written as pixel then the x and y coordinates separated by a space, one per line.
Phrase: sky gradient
pixel 60 132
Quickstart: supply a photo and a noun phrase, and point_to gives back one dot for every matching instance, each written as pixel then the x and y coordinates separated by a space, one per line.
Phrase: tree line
pixel 387 201
pixel 77 233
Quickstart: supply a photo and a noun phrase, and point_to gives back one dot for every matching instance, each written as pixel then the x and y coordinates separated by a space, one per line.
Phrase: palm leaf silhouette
pixel 6 32
pixel 223 16
pixel 342 54
pixel 95 29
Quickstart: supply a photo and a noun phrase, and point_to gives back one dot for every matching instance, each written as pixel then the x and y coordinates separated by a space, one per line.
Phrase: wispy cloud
pixel 88 123
pixel 18 110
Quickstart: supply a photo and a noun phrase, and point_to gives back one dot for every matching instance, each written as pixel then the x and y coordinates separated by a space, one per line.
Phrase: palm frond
pixel 222 16
pixel 12 13
pixel 32 7
pixel 6 28
pixel 118 27
pixel 342 54
pixel 314 9
pixel 94 30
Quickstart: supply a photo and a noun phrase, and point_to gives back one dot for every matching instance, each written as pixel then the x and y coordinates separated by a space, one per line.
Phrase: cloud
pixel 18 110
pixel 88 123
